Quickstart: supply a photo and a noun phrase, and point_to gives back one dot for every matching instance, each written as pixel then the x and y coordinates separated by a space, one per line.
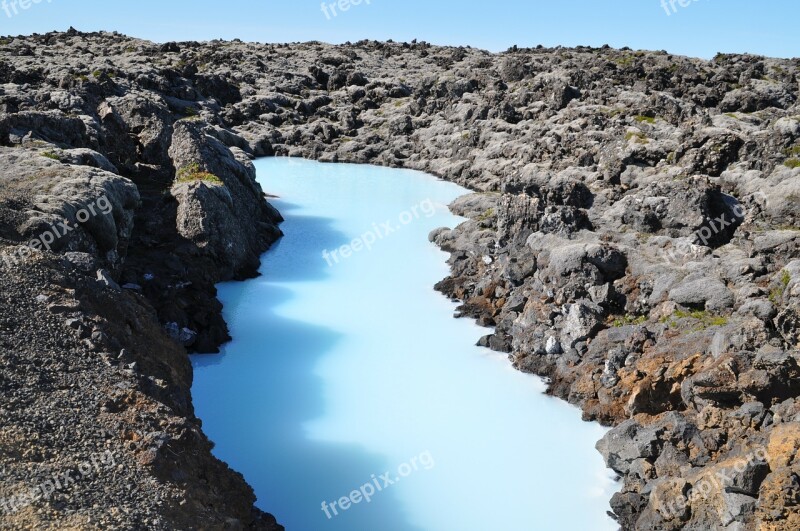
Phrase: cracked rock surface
pixel 633 237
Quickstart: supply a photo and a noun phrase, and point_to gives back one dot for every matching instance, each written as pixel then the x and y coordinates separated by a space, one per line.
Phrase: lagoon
pixel 347 370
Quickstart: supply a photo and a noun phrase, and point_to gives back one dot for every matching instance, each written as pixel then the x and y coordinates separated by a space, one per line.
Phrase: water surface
pixel 347 366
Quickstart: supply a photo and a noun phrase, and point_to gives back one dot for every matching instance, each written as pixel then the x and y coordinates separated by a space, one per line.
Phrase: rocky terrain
pixel 633 238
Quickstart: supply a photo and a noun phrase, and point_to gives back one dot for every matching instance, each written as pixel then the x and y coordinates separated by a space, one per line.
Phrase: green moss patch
pixel 777 293
pixel 629 320
pixel 706 320
pixel 192 173
pixel 638 137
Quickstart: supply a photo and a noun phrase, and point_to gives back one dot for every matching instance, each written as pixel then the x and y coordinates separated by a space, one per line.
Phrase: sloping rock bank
pixel 634 239
pixel 116 221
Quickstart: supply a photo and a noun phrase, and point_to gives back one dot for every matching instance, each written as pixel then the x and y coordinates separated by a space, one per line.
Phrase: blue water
pixel 343 371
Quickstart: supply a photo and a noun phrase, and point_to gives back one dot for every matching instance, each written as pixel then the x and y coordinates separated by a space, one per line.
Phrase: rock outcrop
pixel 633 238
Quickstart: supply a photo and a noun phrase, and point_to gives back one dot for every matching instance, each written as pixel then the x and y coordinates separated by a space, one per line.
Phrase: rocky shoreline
pixel 633 238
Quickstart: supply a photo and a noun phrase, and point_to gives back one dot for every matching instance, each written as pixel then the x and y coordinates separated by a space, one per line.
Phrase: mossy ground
pixel 192 173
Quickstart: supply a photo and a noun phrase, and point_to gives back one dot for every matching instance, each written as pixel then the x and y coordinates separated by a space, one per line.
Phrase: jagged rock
pixel 220 201
pixel 627 443
pixel 583 320
pixel 594 246
pixel 704 292
pixel 184 336
pixel 71 208
pixel 104 278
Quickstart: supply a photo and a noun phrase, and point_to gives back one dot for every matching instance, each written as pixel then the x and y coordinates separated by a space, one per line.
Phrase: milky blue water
pixel 342 372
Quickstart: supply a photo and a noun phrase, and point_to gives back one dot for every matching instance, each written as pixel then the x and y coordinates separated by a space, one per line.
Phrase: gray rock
pixel 552 346
pixel 217 213
pixel 736 507
pixel 761 308
pixel 104 278
pixel 184 336
pixel 627 443
pixel 698 290
pixel 583 319
pixel 596 171
pixel 83 261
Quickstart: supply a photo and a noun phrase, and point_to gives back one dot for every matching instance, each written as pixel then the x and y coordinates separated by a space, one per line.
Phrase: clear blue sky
pixel 702 28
